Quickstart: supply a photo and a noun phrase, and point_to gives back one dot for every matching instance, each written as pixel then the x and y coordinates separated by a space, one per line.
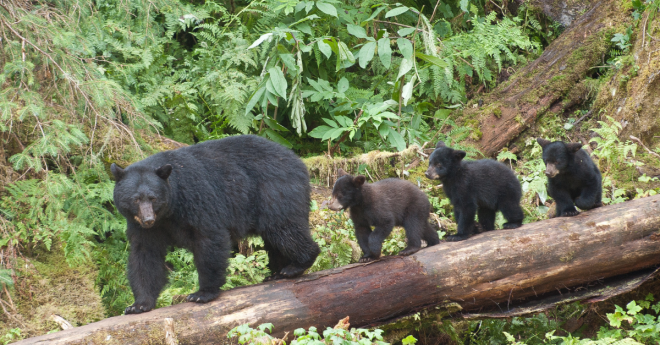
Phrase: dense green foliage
pixel 90 82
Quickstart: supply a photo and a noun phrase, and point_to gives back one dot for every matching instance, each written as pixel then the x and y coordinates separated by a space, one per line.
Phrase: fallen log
pixel 491 271
pixel 553 83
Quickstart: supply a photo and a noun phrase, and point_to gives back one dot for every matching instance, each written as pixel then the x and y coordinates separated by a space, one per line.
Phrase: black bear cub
pixel 573 178
pixel 203 198
pixel 480 187
pixel 384 205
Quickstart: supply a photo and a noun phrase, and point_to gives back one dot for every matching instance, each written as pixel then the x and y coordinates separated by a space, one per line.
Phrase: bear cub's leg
pixel 362 233
pixel 589 198
pixel 563 202
pixel 376 239
pixel 464 215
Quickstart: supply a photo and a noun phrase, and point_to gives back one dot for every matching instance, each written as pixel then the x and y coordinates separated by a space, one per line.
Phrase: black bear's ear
pixel 543 142
pixel 164 171
pixel 574 147
pixel 458 155
pixel 359 180
pixel 440 144
pixel 117 172
pixel 341 172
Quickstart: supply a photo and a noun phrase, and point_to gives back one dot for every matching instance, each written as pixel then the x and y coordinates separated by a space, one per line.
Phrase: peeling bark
pixel 493 271
pixel 563 11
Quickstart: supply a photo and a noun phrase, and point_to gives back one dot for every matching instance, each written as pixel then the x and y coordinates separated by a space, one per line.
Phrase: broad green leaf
pixel 260 40
pixel 274 124
pixel 406 65
pixel 395 12
pixel 464 5
pixel 384 130
pixel 406 92
pixel 405 31
pixel 406 48
pixel 327 8
pixel 300 6
pixel 345 53
pixel 309 5
pixel 373 15
pixel 278 80
pixel 324 48
pixel 254 99
pixel 431 59
pixel 344 121
pixel 337 133
pixel 396 140
pixel 385 52
pixel 330 122
pixel 274 136
pixel 367 53
pixel 342 85
pixel 442 113
pixel 357 31
pixel 319 131
pixel 289 61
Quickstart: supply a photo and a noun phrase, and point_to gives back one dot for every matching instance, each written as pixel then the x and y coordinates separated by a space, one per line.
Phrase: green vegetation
pixel 94 82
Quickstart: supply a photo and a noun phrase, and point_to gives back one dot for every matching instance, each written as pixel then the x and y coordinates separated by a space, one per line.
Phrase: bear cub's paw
pixel 274 276
pixel 456 238
pixel 138 308
pixel 409 251
pixel 511 225
pixel 292 271
pixel 365 259
pixel 202 296
pixel 570 213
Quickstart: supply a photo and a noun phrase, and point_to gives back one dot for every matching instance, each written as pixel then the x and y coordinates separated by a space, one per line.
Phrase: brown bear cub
pixel 383 205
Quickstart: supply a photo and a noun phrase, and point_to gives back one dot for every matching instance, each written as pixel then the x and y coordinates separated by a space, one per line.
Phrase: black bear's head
pixel 442 161
pixel 142 194
pixel 557 155
pixel 347 191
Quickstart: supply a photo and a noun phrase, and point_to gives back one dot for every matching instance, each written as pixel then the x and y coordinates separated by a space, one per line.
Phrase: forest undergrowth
pixel 94 82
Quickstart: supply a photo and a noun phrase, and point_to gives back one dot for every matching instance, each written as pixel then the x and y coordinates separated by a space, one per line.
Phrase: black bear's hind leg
pixel 430 235
pixel 276 262
pixel 486 218
pixel 588 198
pixel 414 227
pixel 296 246
pixel 563 202
pixel 211 255
pixel 513 214
pixel 376 239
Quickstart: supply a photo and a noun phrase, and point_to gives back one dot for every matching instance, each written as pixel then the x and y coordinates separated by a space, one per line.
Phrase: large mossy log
pixel 491 271
pixel 555 81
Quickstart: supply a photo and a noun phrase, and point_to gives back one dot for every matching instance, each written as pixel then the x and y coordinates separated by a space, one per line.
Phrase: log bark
pixel 491 271
pixel 552 83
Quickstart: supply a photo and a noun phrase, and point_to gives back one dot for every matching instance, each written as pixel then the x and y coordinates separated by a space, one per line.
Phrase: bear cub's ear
pixel 164 171
pixel 341 172
pixel 543 142
pixel 359 180
pixel 458 155
pixel 440 144
pixel 574 147
pixel 117 172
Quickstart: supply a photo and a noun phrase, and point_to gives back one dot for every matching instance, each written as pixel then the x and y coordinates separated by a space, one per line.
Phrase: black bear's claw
pixel 569 213
pixel 409 251
pixel 456 238
pixel 202 296
pixel 274 276
pixel 136 309
pixel 365 259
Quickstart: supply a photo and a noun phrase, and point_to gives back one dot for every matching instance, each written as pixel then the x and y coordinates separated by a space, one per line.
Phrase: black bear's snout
pixel 430 174
pixel 146 216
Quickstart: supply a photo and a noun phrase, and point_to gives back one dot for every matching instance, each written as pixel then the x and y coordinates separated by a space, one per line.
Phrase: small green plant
pixel 631 323
pixel 338 335
pixel 608 145
pixel 11 336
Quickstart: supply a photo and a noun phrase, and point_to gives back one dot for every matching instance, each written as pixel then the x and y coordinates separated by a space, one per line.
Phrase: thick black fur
pixel 573 178
pixel 384 205
pixel 207 196
pixel 480 187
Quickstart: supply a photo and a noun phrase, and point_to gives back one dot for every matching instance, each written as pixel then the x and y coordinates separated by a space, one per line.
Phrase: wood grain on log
pixel 490 271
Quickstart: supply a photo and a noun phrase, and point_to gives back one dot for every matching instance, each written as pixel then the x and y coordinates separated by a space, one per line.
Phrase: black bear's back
pixel 243 182
pixel 491 181
pixel 397 198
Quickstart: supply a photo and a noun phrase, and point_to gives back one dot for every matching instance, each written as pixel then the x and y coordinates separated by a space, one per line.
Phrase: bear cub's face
pixel 557 155
pixel 142 194
pixel 346 190
pixel 442 160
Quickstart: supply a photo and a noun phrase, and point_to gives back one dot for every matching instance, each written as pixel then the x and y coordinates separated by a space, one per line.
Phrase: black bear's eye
pixel 136 200
pixel 438 165
pixel 152 198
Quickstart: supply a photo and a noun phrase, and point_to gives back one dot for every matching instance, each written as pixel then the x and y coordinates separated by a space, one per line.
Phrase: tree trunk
pixel 553 82
pixel 491 271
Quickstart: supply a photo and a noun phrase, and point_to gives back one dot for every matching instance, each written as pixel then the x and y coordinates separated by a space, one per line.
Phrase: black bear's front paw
pixel 456 238
pixel 138 308
pixel 291 271
pixel 274 276
pixel 511 225
pixel 365 259
pixel 569 213
pixel 202 296
pixel 409 251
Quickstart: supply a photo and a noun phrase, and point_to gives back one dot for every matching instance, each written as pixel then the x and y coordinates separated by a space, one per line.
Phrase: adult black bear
pixel 573 178
pixel 205 196
pixel 384 205
pixel 480 187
